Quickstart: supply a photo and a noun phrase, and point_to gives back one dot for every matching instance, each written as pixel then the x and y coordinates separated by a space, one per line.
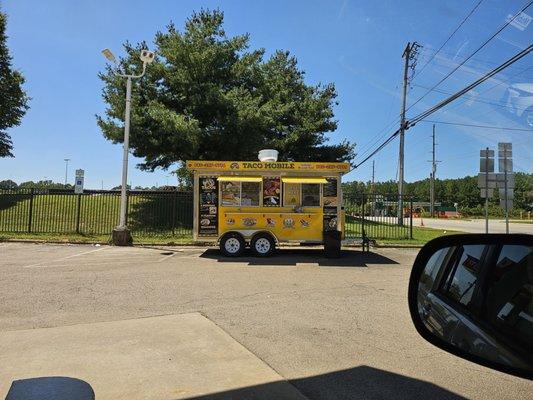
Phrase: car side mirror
pixel 472 295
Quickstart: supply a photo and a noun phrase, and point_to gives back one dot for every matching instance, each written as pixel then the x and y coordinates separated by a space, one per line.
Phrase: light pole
pixel 66 170
pixel 121 233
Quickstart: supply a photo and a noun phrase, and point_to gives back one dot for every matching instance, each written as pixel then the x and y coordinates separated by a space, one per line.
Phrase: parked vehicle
pixel 263 203
pixel 472 295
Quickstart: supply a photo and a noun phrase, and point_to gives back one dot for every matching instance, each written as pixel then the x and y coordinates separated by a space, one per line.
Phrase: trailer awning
pixel 304 180
pixel 240 179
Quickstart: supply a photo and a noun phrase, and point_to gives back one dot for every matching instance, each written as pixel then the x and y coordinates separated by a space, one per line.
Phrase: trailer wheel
pixel 232 244
pixel 263 245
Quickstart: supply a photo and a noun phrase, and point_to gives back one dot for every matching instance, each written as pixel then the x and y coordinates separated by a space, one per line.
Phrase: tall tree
pixel 13 99
pixel 208 96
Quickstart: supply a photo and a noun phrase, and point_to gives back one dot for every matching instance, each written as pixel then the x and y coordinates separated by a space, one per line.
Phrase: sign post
pixel 505 165
pixel 486 165
pixel 78 182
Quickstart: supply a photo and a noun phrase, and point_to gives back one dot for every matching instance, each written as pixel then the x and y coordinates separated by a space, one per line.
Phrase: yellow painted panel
pixel 284 225
pixel 240 166
pixel 304 180
pixel 240 178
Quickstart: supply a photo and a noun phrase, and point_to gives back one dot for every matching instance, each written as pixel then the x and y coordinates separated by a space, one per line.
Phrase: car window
pixel 509 304
pixel 461 281
pixel 433 266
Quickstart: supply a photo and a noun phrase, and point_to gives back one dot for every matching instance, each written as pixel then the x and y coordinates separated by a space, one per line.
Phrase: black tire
pixel 232 244
pixel 263 245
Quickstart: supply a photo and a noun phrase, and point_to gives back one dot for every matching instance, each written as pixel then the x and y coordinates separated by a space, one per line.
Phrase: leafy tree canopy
pixel 13 99
pixel 463 191
pixel 209 96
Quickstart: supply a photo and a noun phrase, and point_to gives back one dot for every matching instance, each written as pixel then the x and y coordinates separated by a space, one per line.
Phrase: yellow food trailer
pixel 261 204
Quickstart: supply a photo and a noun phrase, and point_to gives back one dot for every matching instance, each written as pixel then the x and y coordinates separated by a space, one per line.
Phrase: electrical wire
pixel 438 106
pixel 450 99
pixel 477 99
pixel 478 126
pixel 449 37
pixel 472 54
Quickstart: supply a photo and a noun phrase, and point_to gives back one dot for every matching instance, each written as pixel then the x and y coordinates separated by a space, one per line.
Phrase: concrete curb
pixel 194 245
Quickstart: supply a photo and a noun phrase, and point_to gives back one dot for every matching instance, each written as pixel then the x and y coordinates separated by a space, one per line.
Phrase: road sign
pixel 495 180
pixel 505 147
pixel 78 183
pixel 484 193
pixel 486 153
pixel 486 165
pixel 510 193
pixel 501 180
pixel 509 204
pixel 505 165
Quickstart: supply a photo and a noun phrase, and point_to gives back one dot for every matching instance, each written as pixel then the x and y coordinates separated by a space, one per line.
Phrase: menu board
pixel 231 194
pixel 271 191
pixel 330 201
pixel 330 192
pixel 208 207
pixel 291 194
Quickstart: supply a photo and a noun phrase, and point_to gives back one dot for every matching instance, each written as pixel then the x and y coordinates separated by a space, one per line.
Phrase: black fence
pixel 377 216
pixel 95 212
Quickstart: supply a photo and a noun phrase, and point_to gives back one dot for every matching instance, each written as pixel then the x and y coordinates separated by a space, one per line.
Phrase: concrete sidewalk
pixel 169 357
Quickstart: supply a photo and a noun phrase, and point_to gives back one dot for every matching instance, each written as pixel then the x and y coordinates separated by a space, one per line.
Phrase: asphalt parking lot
pixel 335 329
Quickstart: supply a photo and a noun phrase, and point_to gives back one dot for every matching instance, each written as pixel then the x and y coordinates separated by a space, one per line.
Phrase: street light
pixel 121 234
pixel 66 170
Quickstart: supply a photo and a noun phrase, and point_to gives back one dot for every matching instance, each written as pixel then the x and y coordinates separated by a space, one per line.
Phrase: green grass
pixel 521 221
pixel 98 214
pixel 389 233
pixel 420 237
pixel 103 239
pixel 147 213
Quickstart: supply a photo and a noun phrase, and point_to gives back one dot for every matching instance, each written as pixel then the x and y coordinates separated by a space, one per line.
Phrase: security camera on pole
pixel 121 233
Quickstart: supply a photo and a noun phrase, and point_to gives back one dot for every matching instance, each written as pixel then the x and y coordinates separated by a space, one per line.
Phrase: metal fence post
pixel 363 215
pixel 30 217
pixel 78 212
pixel 127 204
pixel 175 199
pixel 411 219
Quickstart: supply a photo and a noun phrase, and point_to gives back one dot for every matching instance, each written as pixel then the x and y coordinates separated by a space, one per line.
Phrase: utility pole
pixel 409 54
pixel 432 175
pixel 373 172
pixel 487 190
pixel 66 170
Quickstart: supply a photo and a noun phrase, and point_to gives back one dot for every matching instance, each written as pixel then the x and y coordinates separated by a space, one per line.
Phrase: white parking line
pixel 40 265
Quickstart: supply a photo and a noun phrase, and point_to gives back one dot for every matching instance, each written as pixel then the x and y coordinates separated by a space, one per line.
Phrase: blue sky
pixel 357 45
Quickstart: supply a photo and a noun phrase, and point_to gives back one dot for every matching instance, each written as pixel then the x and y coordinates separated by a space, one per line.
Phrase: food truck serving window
pixel 304 191
pixel 310 195
pixel 239 191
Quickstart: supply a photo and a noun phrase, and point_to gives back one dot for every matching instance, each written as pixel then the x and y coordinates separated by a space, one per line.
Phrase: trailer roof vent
pixel 268 155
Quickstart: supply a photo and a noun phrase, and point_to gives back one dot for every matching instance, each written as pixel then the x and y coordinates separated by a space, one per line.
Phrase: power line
pixel 494 86
pixel 438 106
pixel 476 99
pixel 449 37
pixel 445 102
pixel 471 55
pixel 478 126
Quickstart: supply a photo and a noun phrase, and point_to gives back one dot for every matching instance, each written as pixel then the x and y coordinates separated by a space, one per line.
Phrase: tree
pixel 208 96
pixel 8 184
pixel 13 99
